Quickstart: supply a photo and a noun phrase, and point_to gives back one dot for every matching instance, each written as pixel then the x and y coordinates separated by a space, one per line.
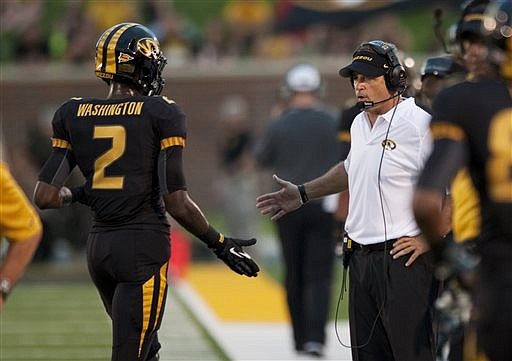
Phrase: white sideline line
pixel 260 341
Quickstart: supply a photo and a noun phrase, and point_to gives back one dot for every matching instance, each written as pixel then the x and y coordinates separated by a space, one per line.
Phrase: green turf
pixel 54 322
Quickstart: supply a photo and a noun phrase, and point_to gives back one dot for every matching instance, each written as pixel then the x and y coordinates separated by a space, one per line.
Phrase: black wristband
pixel 302 191
pixel 212 238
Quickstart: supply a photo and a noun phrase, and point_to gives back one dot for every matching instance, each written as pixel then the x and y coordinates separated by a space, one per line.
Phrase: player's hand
pixel 281 202
pixel 230 251
pixel 406 245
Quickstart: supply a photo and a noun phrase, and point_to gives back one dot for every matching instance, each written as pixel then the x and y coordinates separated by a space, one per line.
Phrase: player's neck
pixel 120 91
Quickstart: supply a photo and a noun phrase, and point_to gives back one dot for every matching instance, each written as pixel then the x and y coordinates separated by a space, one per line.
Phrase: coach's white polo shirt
pixel 408 145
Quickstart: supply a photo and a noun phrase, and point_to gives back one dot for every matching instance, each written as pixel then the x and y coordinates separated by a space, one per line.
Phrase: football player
pixel 20 226
pixel 471 125
pixel 129 148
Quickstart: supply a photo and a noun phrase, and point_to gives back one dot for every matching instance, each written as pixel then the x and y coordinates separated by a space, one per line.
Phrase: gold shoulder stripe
pixel 60 143
pixel 447 130
pixel 171 142
pixel 344 136
pixel 170 101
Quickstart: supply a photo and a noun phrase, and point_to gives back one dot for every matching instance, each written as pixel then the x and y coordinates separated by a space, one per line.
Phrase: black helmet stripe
pixel 108 62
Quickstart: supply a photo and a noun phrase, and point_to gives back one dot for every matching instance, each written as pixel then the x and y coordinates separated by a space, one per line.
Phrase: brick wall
pixel 27 96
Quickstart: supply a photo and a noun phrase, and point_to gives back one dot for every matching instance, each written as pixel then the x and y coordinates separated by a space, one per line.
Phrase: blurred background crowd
pixel 209 31
pixel 227 111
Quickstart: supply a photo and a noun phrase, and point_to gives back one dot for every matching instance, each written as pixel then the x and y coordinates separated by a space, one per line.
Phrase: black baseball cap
pixel 367 62
pixel 441 66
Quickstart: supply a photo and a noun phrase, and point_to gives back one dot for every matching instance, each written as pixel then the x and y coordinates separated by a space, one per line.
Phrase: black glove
pixel 231 253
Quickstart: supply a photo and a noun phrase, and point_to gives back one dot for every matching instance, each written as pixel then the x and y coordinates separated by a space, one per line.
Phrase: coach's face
pixel 372 89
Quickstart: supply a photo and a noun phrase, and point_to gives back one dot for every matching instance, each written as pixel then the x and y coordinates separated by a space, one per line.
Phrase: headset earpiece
pixel 395 76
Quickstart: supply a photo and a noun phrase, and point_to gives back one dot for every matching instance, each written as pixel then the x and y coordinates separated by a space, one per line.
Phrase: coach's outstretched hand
pixel 230 251
pixel 281 202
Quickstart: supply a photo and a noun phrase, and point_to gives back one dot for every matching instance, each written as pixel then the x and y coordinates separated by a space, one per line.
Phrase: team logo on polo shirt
pixel 388 144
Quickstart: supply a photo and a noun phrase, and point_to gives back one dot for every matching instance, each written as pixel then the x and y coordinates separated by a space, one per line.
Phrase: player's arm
pixel 21 226
pixel 50 191
pixel 188 214
pixel 447 157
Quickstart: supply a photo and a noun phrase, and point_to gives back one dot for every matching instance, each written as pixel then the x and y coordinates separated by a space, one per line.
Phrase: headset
pixel 395 76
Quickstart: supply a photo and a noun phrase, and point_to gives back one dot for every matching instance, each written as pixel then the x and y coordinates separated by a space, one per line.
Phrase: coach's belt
pixel 381 246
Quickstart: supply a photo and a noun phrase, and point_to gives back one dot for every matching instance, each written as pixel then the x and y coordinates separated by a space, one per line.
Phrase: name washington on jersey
pixel 126 108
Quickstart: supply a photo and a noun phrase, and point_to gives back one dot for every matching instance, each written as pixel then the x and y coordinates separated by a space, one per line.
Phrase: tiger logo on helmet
pixel 130 52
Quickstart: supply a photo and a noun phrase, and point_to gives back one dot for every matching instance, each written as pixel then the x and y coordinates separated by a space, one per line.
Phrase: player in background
pixel 471 127
pixel 129 148
pixel 20 227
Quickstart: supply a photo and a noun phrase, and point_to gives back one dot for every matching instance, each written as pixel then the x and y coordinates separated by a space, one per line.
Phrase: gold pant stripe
pixel 172 141
pixel 161 292
pixel 147 301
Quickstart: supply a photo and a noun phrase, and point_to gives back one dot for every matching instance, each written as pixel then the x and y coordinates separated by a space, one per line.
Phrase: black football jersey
pixel 476 117
pixel 116 144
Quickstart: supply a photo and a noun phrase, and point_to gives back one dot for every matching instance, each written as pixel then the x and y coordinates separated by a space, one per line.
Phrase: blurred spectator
pixel 74 37
pixel 438 73
pixel 305 131
pixel 107 13
pixel 22 38
pixel 179 39
pixel 246 21
pixel 237 181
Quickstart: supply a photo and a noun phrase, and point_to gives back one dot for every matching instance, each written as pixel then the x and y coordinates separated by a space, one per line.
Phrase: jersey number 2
pixel 118 135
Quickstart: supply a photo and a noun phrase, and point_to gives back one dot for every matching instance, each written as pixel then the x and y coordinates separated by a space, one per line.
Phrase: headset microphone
pixel 363 105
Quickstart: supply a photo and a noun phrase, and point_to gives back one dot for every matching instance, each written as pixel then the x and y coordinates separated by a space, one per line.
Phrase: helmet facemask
pixel 149 64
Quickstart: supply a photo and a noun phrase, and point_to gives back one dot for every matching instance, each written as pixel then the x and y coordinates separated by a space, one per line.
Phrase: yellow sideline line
pixel 238 298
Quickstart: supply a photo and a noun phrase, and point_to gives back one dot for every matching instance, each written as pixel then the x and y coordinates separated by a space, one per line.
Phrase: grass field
pixel 65 321
pixel 52 322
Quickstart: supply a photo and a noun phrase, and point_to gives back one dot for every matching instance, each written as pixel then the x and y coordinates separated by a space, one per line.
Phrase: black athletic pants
pixel 391 307
pixel 129 269
pixel 493 299
pixel 308 251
